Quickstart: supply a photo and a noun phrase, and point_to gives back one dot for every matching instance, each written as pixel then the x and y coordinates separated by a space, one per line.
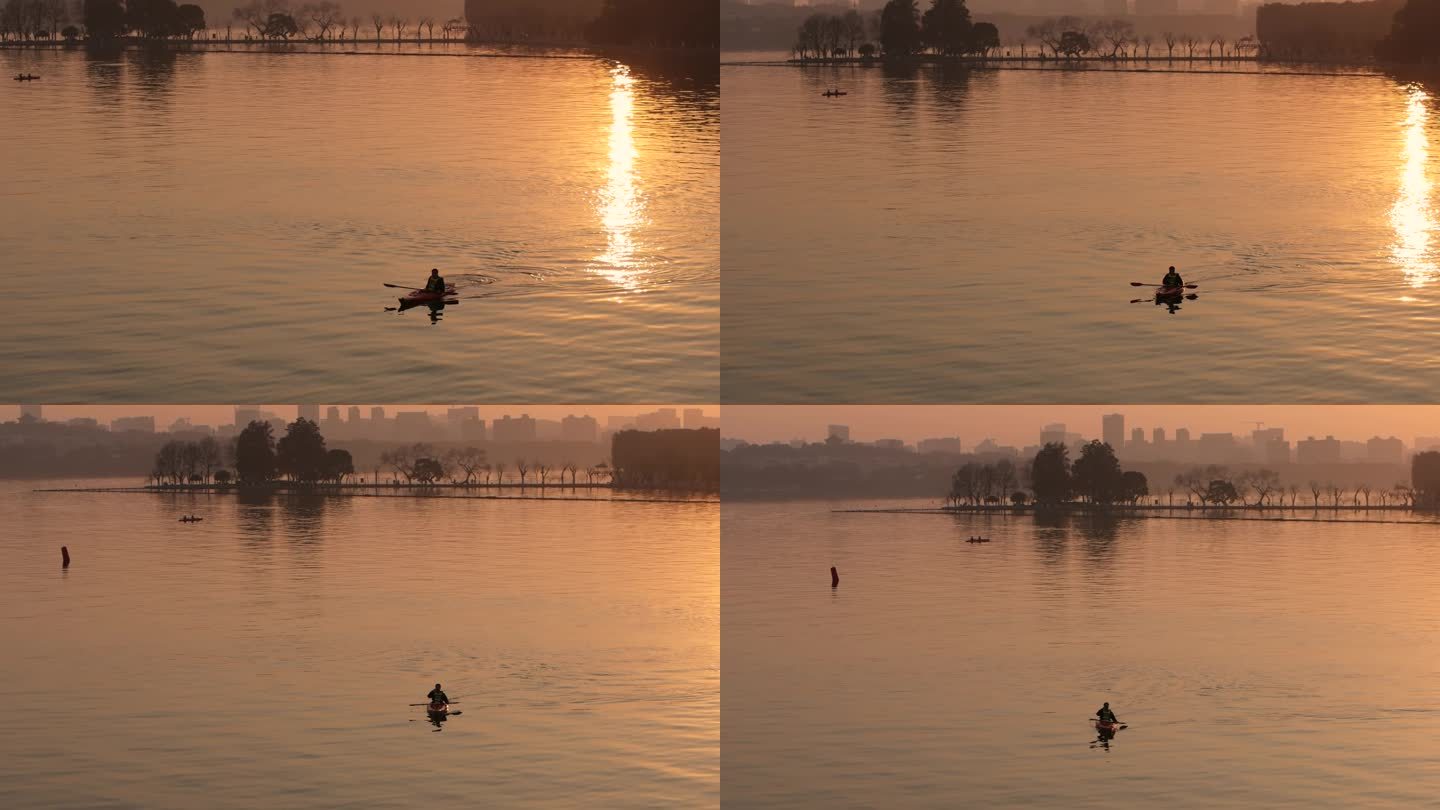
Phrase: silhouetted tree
pixel 104 19
pixel 280 26
pixel 1074 44
pixel 1221 493
pixel 428 470
pixel 1096 475
pixel 1133 486
pixel 1425 478
pixel 1050 474
pixel 984 38
pixel 300 453
pixel 945 27
pixel 657 24
pixel 191 19
pixel 1414 34
pixel 900 28
pixel 255 454
pixel 338 464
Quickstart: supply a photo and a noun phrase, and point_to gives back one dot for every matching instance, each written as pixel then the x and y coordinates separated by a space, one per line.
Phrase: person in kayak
pixel 1172 279
pixel 436 284
pixel 437 695
pixel 1105 715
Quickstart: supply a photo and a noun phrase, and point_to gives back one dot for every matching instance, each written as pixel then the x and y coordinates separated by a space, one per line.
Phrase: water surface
pixel 955 235
pixel 266 656
pixel 218 225
pixel 1257 664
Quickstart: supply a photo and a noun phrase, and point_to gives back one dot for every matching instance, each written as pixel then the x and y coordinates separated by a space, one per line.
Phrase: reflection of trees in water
pixel 685 79
pixel 899 88
pixel 303 517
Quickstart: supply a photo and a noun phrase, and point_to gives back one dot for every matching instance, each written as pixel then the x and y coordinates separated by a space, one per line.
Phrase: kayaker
pixel 437 695
pixel 1105 715
pixel 436 284
pixel 1172 279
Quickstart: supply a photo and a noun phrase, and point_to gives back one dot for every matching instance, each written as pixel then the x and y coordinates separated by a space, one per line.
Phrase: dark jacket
pixel 436 696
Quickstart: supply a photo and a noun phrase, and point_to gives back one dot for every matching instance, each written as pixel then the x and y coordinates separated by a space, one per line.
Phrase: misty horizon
pixel 1020 426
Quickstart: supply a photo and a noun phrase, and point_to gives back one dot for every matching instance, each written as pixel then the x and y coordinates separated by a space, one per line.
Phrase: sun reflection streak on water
pixel 621 206
pixel 1412 216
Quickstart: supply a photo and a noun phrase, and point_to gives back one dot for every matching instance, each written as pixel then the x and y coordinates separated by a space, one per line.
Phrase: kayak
pixel 1169 292
pixel 1111 728
pixel 438 709
pixel 422 297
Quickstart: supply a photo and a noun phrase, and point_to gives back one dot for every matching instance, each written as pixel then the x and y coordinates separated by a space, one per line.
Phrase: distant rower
pixel 436 284
pixel 1105 715
pixel 1172 279
pixel 437 695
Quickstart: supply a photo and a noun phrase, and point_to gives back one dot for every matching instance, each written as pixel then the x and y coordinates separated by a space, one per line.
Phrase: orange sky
pixel 214 415
pixel 1019 425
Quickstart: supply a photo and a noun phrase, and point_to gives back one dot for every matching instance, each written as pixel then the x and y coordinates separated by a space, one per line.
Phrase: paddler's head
pixel 1106 706
pixel 435 271
pixel 437 686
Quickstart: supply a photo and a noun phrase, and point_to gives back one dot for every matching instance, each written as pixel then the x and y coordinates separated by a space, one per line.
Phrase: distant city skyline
pixel 1021 425
pixel 216 415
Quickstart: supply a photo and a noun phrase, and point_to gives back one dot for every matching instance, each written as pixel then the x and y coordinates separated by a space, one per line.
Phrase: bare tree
pixel 428 23
pixel 1170 40
pixel 378 21
pixel 1217 39
pixel 522 466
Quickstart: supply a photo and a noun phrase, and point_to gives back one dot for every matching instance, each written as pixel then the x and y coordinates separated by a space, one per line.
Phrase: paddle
pixel 451 703
pixel 403 287
pixel 1122 725
pixel 1143 284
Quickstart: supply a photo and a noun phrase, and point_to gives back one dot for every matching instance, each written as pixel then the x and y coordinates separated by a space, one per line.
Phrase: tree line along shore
pixel 1389 31
pixel 1095 480
pixel 620 23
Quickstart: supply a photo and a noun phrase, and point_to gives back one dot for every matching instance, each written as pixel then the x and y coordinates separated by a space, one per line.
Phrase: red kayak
pixel 1169 292
pixel 438 708
pixel 1109 728
pixel 422 297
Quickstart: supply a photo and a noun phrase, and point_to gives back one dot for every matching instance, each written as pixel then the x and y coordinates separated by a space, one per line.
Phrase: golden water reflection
pixel 621 206
pixel 1412 216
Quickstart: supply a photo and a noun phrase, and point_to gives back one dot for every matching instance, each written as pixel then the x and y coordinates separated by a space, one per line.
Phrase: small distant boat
pixel 833 93
pixel 978 540
pixel 26 77
pixel 191 519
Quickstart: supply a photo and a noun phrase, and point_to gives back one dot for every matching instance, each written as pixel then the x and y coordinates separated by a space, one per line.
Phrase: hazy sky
pixel 1019 425
pixel 214 415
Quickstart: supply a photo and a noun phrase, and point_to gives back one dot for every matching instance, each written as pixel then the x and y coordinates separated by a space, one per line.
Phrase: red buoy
pixel 834 577
pixel 64 557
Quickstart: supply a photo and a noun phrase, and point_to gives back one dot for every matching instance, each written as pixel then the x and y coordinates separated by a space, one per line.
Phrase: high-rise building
pixel 377 413
pixel 1117 8
pixel 1318 451
pixel 1112 430
pixel 945 445
pixel 662 419
pixel 1182 436
pixel 511 429
pixel 138 424
pixel 1157 436
pixel 1137 438
pixel 579 429
pixel 1276 451
pixel 309 413
pixel 890 444
pixel 840 433
pixel 412 424
pixel 32 413
pixel 615 424
pixel 1385 451
pixel 332 415
pixel 1053 434
pixel 354 415
pixel 245 414
pixel 1229 8
pixel 693 417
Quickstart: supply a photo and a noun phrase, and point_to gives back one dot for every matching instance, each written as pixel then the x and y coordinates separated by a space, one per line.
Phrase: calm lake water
pixel 266 656
pixel 218 226
pixel 949 235
pixel 1257 664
